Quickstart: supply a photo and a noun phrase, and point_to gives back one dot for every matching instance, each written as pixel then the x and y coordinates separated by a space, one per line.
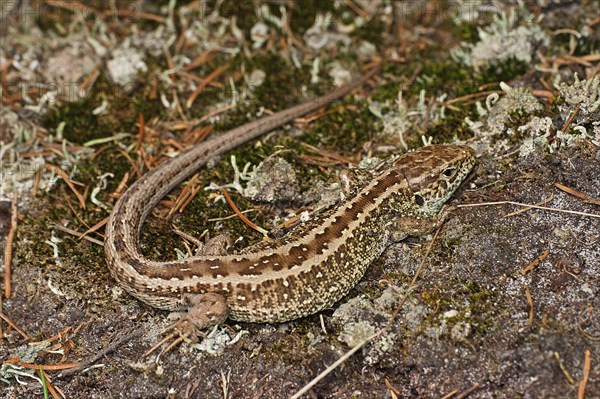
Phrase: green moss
pixel 372 31
pixel 432 297
pixel 482 307
pixel 160 246
pixel 81 125
pixel 283 84
pixel 466 31
pixel 80 267
pixel 453 242
pixel 453 125
pixel 243 11
pixel 474 304
pixel 342 131
pixel 503 71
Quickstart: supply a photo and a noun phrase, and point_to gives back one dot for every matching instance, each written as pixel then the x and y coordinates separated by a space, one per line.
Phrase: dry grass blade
pixel 141 132
pixel 358 10
pixel 47 383
pixel 545 208
pixel 94 227
pixel 414 280
pixel 36 183
pixel 471 96
pixel 110 348
pixel 69 182
pixel 77 234
pixel 468 391
pixel 186 196
pixel 392 388
pixel 159 344
pixel 328 154
pixel 133 14
pixel 121 187
pixel 571 191
pixel 564 369
pixel 335 365
pixel 321 113
pixel 71 5
pixel 182 125
pixel 570 119
pixel 450 394
pixel 46 367
pixel 541 203
pixel 9 247
pixel 201 59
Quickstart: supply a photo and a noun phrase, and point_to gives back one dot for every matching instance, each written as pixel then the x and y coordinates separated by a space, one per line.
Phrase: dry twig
pixel 241 215
pixel 536 262
pixel 530 304
pixel 578 194
pixel 13 325
pixel 587 366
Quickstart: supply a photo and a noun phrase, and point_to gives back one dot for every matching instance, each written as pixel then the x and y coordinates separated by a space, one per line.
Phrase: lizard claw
pixel 182 330
pixel 205 310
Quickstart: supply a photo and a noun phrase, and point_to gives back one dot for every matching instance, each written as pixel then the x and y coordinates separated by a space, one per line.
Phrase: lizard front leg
pixel 405 226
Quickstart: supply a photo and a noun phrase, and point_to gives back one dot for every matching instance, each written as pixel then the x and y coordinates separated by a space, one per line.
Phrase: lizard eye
pixel 419 200
pixel 448 172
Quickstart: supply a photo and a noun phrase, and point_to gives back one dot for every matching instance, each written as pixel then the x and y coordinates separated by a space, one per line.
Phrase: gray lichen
pixel 583 95
pixel 359 318
pixel 502 41
pixel 499 114
pixel 125 64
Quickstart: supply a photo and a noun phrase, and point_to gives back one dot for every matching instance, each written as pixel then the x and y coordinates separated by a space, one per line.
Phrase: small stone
pixel 274 179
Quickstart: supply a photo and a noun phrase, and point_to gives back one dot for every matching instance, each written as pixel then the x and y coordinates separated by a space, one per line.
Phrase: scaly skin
pixel 297 275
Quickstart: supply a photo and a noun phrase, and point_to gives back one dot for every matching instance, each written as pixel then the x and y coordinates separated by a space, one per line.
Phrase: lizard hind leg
pixel 204 311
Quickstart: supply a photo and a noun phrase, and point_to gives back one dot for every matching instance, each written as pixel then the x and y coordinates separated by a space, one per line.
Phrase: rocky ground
pixel 501 303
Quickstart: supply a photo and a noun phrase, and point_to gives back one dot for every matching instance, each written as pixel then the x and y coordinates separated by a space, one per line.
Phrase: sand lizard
pixel 299 274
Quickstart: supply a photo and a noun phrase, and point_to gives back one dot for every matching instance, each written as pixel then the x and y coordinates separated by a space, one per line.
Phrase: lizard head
pixel 433 173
